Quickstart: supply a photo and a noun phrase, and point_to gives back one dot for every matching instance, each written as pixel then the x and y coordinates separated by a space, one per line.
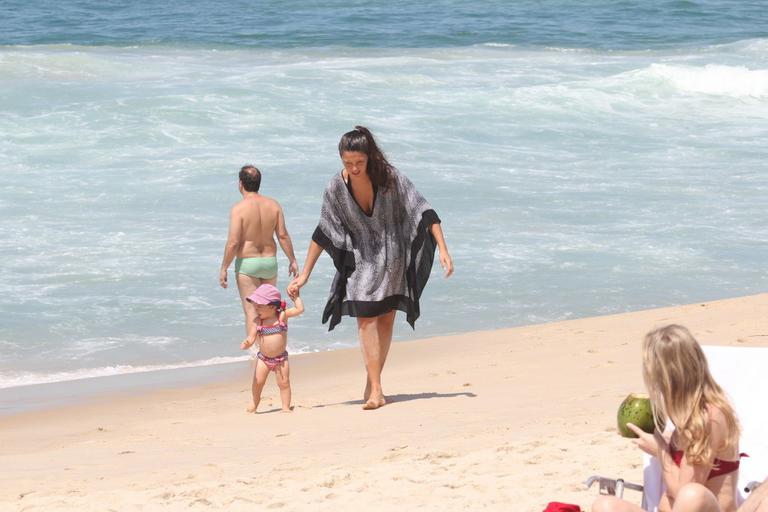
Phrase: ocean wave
pixel 753 45
pixel 497 45
pixel 714 79
pixel 11 380
pixel 17 379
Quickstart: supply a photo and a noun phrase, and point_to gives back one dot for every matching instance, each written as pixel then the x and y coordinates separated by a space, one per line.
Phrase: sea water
pixel 585 158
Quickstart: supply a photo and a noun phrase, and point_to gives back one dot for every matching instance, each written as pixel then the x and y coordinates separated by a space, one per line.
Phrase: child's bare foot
pixel 251 408
pixel 375 403
pixel 290 409
pixel 246 344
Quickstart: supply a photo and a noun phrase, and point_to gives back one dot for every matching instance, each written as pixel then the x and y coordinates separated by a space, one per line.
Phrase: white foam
pixel 497 45
pixel 16 379
pixel 11 380
pixel 715 79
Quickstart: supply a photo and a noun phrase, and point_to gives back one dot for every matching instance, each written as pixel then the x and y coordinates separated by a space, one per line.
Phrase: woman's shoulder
pixel 334 184
pixel 398 179
pixel 395 174
pixel 335 181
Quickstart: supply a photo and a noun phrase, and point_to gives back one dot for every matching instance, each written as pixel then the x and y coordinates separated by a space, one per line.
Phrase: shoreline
pixel 38 396
pixel 513 417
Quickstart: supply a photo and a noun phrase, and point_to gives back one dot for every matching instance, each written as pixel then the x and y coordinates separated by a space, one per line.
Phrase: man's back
pixel 254 223
pixel 259 217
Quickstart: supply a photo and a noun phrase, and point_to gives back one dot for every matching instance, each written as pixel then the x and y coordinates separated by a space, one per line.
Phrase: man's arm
pixel 232 245
pixel 284 239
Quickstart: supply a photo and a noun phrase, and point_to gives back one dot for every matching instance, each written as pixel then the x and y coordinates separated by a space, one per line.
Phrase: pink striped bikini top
pixel 266 330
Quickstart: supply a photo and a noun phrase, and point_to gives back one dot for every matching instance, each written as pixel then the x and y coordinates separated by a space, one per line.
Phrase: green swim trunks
pixel 263 268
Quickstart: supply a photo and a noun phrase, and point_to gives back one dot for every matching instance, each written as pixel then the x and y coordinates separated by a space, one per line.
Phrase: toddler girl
pixel 272 337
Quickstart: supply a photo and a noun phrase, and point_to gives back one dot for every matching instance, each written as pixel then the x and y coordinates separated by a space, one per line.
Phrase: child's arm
pixel 247 343
pixel 297 309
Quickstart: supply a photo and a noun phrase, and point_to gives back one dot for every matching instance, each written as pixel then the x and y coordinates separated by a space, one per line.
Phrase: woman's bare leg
pixel 614 504
pixel 384 327
pixel 695 497
pixel 375 339
pixel 757 501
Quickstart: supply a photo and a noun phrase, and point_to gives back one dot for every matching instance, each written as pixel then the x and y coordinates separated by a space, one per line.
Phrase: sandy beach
pixel 498 420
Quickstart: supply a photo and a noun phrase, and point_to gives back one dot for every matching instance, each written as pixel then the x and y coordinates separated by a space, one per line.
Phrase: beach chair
pixel 743 374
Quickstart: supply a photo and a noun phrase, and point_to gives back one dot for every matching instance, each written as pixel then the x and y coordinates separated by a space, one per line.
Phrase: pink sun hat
pixel 265 294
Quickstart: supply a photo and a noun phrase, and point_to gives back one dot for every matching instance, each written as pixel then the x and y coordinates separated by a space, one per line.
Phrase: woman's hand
pixel 223 278
pixel 652 444
pixel 293 292
pixel 296 284
pixel 293 269
pixel 445 258
pixel 446 262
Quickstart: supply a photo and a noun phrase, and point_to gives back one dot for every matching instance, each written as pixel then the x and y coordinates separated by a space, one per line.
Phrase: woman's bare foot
pixel 374 403
pixel 251 408
pixel 290 409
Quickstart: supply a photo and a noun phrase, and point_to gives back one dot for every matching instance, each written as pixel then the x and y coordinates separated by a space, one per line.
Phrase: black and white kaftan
pixel 382 260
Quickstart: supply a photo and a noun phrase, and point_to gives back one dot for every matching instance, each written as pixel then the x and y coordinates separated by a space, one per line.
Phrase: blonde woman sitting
pixel 700 461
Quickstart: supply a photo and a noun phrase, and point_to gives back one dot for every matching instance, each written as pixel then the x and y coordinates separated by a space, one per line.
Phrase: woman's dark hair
pixel 360 140
pixel 250 177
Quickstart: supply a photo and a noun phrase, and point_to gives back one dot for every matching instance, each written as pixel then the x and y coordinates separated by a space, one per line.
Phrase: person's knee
pixel 364 321
pixel 283 383
pixel 260 380
pixel 604 504
pixel 695 496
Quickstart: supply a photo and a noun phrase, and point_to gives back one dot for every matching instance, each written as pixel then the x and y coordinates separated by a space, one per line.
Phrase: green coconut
pixel 635 409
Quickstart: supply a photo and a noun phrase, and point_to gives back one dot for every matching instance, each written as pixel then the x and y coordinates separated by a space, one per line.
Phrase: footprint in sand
pixel 395 452
pixel 239 499
pixel 336 479
pixel 436 456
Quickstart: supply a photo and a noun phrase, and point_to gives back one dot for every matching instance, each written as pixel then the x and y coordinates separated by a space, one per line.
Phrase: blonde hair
pixel 681 388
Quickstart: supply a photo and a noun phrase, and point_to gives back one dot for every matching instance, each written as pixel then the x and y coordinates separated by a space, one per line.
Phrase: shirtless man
pixel 252 222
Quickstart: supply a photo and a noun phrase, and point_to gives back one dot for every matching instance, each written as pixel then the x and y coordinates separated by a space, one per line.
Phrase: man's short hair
pixel 250 177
